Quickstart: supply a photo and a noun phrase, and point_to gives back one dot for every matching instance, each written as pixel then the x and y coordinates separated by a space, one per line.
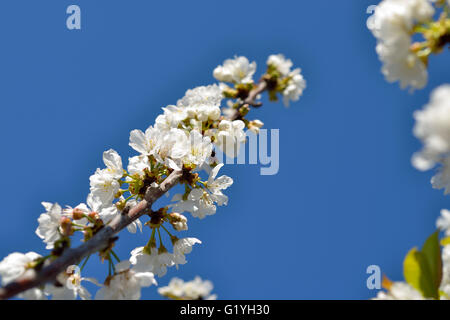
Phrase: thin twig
pixel 251 99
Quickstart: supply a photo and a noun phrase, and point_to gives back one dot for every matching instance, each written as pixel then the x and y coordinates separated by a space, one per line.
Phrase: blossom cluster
pixel 293 84
pixel 432 127
pixel 394 24
pixel 279 78
pixel 184 138
pixel 196 289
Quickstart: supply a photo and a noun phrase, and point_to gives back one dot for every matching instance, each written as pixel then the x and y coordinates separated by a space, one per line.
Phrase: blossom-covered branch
pixel 97 243
pixel 178 149
pixel 407 35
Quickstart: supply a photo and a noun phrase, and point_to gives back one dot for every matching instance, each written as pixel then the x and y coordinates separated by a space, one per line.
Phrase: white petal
pixel 138 141
pixel 112 160
pixel 123 265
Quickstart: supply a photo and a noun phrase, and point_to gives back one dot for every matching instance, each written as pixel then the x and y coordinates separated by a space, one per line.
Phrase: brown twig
pixel 251 99
pixel 98 242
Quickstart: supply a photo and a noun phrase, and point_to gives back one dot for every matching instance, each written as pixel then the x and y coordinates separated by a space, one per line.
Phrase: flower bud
pixel 416 46
pixel 77 214
pixel 244 110
pixel 66 226
pixel 120 205
pixel 254 126
pixel 178 221
pixel 119 194
pixel 94 215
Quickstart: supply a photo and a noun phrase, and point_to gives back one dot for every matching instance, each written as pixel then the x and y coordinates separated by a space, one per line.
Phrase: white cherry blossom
pixel 156 262
pixel 175 114
pixel 433 129
pixel 237 70
pixel 108 213
pixel 104 182
pixel 202 103
pixel 214 184
pixel 282 64
pixel 442 178
pixel 137 165
pixel 196 289
pixel 201 202
pixel 443 222
pixel 400 291
pixel 210 95
pixel 126 284
pixel 181 247
pixel 200 149
pixel 295 87
pixel 174 145
pixel 230 136
pixel 16 265
pixel 145 143
pixel 70 286
pixel 392 24
pixel 49 224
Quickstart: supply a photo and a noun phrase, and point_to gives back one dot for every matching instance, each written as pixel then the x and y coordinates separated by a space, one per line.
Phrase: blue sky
pixel 346 195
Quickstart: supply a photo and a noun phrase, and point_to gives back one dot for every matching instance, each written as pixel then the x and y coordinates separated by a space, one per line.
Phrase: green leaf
pixel 411 268
pixel 417 274
pixel 423 269
pixel 432 253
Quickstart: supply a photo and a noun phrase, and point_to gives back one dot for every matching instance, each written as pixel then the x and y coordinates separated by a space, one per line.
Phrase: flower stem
pixel 84 263
pixel 166 230
pixel 115 255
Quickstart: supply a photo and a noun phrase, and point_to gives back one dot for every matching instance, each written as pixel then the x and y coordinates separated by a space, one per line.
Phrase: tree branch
pixel 251 99
pixel 105 236
pixel 98 242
